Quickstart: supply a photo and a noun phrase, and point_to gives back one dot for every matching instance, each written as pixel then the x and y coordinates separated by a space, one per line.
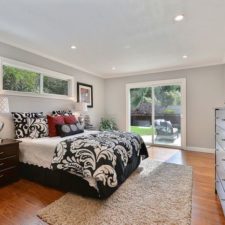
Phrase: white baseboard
pixel 198 149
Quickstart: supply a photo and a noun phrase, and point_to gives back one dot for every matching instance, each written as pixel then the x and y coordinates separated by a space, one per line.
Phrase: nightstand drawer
pixel 8 175
pixel 8 162
pixel 8 150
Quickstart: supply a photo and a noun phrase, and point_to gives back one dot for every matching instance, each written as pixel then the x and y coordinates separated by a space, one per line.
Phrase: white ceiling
pixel 135 36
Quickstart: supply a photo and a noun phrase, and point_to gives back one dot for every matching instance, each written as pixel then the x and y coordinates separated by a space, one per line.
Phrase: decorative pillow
pixel 20 122
pixel 37 127
pixel 69 129
pixel 70 119
pixel 62 112
pixel 52 122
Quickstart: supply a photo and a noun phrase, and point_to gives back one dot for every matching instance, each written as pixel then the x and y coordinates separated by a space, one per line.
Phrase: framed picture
pixel 85 94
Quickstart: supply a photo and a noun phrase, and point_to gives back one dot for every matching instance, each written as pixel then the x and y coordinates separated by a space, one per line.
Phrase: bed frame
pixel 67 182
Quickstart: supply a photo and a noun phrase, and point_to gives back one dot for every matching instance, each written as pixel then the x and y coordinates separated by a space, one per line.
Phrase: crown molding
pixel 168 69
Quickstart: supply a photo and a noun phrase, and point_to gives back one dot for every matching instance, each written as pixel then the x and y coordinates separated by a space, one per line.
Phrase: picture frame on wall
pixel 85 94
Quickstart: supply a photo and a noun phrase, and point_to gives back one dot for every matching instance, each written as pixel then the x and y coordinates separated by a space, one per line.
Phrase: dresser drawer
pixel 220 122
pixel 220 114
pixel 220 137
pixel 220 153
pixel 9 150
pixel 8 162
pixel 220 193
pixel 9 175
pixel 220 174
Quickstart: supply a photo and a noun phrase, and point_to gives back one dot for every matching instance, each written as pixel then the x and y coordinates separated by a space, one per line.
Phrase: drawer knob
pixel 1 176
pixel 223 119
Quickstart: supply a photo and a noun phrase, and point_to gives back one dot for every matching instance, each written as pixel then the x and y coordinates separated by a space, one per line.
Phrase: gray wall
pixel 205 91
pixel 46 105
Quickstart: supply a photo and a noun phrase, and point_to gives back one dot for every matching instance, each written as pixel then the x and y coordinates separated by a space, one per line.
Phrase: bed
pixel 92 164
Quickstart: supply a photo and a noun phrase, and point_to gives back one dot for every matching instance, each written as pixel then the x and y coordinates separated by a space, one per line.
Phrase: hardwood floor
pixel 20 201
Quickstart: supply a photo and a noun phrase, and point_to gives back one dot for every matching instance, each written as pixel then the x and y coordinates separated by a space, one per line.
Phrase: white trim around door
pixel 181 82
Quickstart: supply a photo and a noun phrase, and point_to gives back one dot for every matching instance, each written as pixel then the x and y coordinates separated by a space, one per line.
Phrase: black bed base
pixel 57 179
pixel 67 182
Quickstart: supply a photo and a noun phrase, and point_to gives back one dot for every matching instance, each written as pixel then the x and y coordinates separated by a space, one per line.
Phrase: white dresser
pixel 220 155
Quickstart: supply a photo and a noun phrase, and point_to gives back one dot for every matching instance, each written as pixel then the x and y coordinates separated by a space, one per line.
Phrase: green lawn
pixel 142 130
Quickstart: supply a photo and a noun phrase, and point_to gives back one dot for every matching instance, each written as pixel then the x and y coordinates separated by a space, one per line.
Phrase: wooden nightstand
pixel 9 161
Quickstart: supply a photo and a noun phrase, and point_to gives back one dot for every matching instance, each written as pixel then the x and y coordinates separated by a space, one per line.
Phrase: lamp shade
pixel 4 105
pixel 80 106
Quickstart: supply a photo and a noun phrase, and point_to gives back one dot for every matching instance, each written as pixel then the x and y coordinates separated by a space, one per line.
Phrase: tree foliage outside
pixel 15 79
pixel 164 96
pixel 140 95
pixel 167 95
pixel 55 86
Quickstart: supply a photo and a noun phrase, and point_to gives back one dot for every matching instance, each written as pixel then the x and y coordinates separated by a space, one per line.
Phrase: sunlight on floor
pixel 175 142
pixel 166 155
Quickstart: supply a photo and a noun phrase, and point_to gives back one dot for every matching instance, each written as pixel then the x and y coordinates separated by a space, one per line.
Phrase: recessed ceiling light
pixel 179 18
pixel 184 56
pixel 73 47
pixel 113 68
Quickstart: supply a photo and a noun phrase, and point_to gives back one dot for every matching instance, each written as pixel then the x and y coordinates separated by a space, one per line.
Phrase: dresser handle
pixel 1 153
pixel 1 164
pixel 1 176
pixel 217 134
pixel 223 119
pixel 222 139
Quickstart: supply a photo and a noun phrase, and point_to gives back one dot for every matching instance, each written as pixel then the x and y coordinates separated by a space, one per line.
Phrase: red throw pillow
pixel 70 119
pixel 52 122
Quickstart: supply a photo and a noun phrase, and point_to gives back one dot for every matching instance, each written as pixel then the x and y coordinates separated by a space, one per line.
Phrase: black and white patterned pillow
pixel 37 127
pixel 20 122
pixel 64 130
pixel 62 112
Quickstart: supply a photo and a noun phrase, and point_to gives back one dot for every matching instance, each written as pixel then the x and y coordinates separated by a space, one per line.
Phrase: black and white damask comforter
pixel 104 159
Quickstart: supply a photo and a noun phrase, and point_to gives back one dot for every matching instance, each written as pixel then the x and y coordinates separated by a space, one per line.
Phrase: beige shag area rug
pixel 156 193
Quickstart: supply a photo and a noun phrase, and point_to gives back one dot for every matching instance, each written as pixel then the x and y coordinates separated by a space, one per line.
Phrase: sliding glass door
pixel 141 112
pixel 167 115
pixel 156 111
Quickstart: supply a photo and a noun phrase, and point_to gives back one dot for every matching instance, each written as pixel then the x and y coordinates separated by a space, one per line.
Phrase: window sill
pixel 22 94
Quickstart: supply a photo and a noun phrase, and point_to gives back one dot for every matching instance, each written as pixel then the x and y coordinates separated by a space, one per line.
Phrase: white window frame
pixel 42 72
pixel 183 116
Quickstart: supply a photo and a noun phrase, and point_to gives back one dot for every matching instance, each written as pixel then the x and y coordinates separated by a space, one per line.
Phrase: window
pixel 15 79
pixel 22 79
pixel 55 86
